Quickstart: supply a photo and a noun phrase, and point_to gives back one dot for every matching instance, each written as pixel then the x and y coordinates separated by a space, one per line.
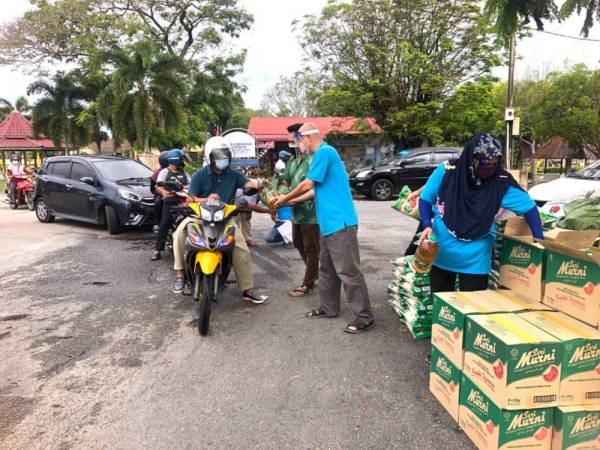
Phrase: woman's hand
pixel 425 234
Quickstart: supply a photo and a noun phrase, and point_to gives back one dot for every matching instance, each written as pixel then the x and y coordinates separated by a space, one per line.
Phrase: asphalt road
pixel 97 352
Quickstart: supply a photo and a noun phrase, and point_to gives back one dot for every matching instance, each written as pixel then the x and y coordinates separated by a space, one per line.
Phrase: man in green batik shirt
pixel 305 230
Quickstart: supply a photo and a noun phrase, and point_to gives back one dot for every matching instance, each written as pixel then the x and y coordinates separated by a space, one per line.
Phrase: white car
pixel 553 195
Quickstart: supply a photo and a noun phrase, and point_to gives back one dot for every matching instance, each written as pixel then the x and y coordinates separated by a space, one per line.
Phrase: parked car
pixel 104 190
pixel 570 187
pixel 382 182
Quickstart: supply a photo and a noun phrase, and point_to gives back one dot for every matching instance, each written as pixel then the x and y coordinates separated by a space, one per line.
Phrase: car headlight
pixel 218 216
pixel 206 215
pixel 129 195
pixel 364 174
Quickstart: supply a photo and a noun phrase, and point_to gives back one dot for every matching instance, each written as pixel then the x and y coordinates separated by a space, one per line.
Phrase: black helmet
pixel 163 159
pixel 221 151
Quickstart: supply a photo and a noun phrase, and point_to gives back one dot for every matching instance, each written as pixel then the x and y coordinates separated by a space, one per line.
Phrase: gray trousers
pixel 340 265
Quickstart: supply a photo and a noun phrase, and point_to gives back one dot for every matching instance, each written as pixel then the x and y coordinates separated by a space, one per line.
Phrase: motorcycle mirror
pixel 87 180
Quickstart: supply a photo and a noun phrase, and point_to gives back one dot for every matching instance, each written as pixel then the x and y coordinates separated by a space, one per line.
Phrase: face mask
pixel 222 164
pixel 485 171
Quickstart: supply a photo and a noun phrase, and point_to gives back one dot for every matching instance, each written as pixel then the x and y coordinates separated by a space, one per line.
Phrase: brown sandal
pixel 301 291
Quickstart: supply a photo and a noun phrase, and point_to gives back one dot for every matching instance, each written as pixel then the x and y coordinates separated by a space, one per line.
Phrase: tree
pixel 291 96
pixel 398 60
pixel 55 113
pixel 511 15
pixel 6 107
pixel 148 89
pixel 75 30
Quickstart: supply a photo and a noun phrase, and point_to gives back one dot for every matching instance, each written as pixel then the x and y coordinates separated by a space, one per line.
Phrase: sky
pixel 273 48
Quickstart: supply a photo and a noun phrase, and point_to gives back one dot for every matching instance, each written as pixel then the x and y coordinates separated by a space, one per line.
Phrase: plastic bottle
pixel 425 255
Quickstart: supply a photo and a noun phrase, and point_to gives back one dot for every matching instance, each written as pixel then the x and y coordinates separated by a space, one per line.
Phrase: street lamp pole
pixel 510 100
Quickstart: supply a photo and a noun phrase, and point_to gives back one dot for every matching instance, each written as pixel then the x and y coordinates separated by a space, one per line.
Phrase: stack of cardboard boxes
pixel 512 370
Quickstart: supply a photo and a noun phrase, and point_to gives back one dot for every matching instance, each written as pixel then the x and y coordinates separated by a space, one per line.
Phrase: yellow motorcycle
pixel 209 253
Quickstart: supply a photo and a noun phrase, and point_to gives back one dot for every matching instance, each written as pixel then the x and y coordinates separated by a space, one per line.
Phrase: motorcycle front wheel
pixel 207 297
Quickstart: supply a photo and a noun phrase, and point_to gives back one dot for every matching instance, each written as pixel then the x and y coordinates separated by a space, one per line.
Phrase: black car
pixel 104 190
pixel 382 182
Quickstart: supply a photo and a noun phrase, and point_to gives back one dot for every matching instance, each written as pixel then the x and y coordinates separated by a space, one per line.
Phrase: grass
pixel 2 186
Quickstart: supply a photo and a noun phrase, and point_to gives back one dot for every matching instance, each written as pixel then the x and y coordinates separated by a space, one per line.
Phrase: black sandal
pixel 358 326
pixel 317 313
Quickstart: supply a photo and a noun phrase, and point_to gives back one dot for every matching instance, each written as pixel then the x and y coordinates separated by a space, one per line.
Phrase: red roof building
pixel 16 133
pixel 275 128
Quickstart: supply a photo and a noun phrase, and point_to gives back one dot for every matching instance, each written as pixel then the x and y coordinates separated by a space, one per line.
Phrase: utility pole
pixel 509 111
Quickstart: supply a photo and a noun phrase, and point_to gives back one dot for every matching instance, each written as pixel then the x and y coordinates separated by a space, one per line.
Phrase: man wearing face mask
pixel 305 230
pixel 458 205
pixel 217 181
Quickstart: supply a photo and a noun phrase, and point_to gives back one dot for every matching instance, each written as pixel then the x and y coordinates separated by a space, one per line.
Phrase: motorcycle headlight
pixel 227 240
pixel 218 216
pixel 206 216
pixel 128 195
pixel 195 237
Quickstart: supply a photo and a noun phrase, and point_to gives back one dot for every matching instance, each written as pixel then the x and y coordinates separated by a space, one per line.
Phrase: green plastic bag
pixel 404 193
pixel 582 214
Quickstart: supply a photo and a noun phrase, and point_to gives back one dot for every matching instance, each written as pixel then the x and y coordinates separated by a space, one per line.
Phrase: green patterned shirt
pixel 305 212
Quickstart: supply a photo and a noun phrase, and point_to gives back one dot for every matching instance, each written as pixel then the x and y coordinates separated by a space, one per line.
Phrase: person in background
pixel 338 222
pixel 458 205
pixel 282 161
pixel 163 163
pixel 283 214
pixel 305 230
pixel 173 172
pixel 244 219
pixel 14 168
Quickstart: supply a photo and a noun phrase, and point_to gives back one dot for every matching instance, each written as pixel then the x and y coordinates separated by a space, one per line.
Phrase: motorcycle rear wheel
pixel 206 299
pixel 29 199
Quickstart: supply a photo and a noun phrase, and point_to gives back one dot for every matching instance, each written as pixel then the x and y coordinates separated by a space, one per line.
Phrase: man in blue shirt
pixel 218 181
pixel 340 255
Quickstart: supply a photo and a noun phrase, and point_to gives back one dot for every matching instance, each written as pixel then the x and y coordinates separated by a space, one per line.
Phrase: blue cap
pixel 284 154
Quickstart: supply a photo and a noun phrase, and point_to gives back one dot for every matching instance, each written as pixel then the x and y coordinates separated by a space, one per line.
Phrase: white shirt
pixel 15 168
pixel 279 166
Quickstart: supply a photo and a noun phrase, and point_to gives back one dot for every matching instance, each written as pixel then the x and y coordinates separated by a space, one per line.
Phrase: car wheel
pixel 112 220
pixel 382 190
pixel 41 211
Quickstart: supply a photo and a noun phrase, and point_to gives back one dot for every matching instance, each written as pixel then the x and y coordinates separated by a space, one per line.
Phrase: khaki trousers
pixel 243 220
pixel 242 260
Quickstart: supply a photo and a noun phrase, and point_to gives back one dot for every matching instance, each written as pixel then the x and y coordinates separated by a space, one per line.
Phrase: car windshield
pixel 122 170
pixel 591 172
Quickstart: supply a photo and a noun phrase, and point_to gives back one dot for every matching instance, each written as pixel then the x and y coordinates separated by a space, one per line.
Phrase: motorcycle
pixel 24 191
pixel 209 248
pixel 178 212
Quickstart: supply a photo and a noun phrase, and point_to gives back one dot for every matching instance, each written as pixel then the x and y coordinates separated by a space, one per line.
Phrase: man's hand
pixel 214 196
pixel 425 234
pixel 279 201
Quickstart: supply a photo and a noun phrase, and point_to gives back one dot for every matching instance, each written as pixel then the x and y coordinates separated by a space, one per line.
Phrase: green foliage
pixel 56 111
pixel 22 105
pixel 397 61
pixel 292 96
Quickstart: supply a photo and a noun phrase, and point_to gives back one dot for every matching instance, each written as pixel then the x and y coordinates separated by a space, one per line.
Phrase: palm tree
pixel 55 113
pixel 148 89
pixel 22 105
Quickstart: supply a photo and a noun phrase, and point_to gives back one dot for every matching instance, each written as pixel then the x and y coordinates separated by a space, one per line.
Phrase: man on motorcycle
pixel 173 172
pixel 217 181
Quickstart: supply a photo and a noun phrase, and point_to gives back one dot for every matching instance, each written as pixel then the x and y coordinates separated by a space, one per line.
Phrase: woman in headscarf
pixel 458 205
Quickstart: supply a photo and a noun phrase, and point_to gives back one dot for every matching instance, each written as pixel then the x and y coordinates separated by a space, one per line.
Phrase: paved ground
pixel 96 352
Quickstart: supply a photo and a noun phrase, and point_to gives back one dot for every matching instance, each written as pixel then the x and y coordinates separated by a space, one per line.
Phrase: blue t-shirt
pixel 472 257
pixel 285 213
pixel 205 182
pixel 335 208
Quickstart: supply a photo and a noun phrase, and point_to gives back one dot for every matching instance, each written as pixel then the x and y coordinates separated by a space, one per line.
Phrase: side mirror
pixel 88 180
pixel 250 191
pixel 402 163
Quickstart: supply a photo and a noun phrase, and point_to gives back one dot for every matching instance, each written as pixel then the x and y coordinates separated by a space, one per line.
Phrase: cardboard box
pixel 514 362
pixel 580 365
pixel 444 382
pixel 523 258
pixel 450 310
pixel 491 427
pixel 573 281
pixel 576 428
